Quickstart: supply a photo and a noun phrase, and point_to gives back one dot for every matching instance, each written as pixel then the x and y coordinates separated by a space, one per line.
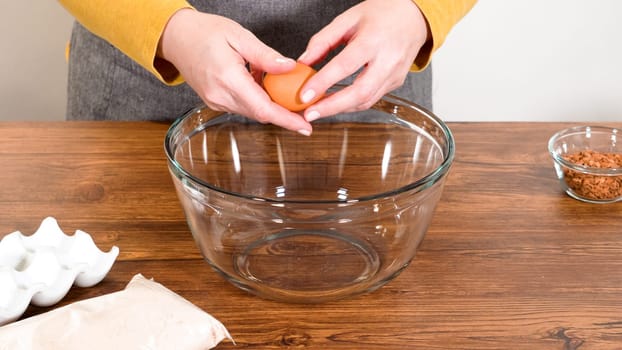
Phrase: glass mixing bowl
pixel 310 219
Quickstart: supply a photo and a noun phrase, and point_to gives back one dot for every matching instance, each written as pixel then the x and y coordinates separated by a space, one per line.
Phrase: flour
pixel 144 316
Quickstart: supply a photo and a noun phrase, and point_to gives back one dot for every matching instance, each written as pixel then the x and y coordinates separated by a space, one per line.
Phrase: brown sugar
pixel 598 187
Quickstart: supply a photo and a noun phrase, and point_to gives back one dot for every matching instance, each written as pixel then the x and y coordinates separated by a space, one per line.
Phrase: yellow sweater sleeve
pixel 441 15
pixel 132 26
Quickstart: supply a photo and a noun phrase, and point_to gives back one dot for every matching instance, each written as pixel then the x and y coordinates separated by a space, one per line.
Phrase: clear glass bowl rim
pixel 422 183
pixel 582 168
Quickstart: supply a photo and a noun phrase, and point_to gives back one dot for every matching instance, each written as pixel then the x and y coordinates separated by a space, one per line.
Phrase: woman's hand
pixel 382 37
pixel 212 52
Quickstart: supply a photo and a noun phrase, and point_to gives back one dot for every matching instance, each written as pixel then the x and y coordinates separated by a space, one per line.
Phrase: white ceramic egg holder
pixel 41 268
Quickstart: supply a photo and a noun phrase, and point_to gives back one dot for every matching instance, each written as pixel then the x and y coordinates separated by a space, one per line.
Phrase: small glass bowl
pixel 588 162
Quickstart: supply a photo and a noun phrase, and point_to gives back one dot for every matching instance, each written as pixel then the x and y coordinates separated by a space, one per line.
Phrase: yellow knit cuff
pixel 132 26
pixel 441 16
pixel 145 30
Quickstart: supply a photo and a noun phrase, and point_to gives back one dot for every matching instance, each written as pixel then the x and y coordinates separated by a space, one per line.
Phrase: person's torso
pixel 285 25
pixel 106 84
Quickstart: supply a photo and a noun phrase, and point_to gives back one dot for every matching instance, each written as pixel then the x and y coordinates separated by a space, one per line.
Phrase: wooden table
pixel 510 262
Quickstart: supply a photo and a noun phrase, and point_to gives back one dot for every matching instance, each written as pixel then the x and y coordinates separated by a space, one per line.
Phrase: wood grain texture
pixel 510 262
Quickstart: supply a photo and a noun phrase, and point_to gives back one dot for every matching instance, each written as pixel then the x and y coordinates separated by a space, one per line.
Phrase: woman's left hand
pixel 382 37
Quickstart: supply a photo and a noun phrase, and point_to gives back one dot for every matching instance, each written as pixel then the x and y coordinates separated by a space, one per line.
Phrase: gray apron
pixel 104 84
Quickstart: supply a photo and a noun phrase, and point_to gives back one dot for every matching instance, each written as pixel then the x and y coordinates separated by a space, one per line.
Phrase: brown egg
pixel 284 88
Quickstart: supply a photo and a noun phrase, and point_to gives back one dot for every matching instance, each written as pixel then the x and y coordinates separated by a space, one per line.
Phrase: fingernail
pixel 304 132
pixel 283 60
pixel 302 56
pixel 312 115
pixel 307 96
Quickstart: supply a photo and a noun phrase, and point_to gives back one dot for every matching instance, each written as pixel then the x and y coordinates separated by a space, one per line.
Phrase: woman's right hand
pixel 212 52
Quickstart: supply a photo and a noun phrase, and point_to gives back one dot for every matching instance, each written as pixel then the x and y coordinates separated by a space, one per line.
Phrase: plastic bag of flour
pixel 144 316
